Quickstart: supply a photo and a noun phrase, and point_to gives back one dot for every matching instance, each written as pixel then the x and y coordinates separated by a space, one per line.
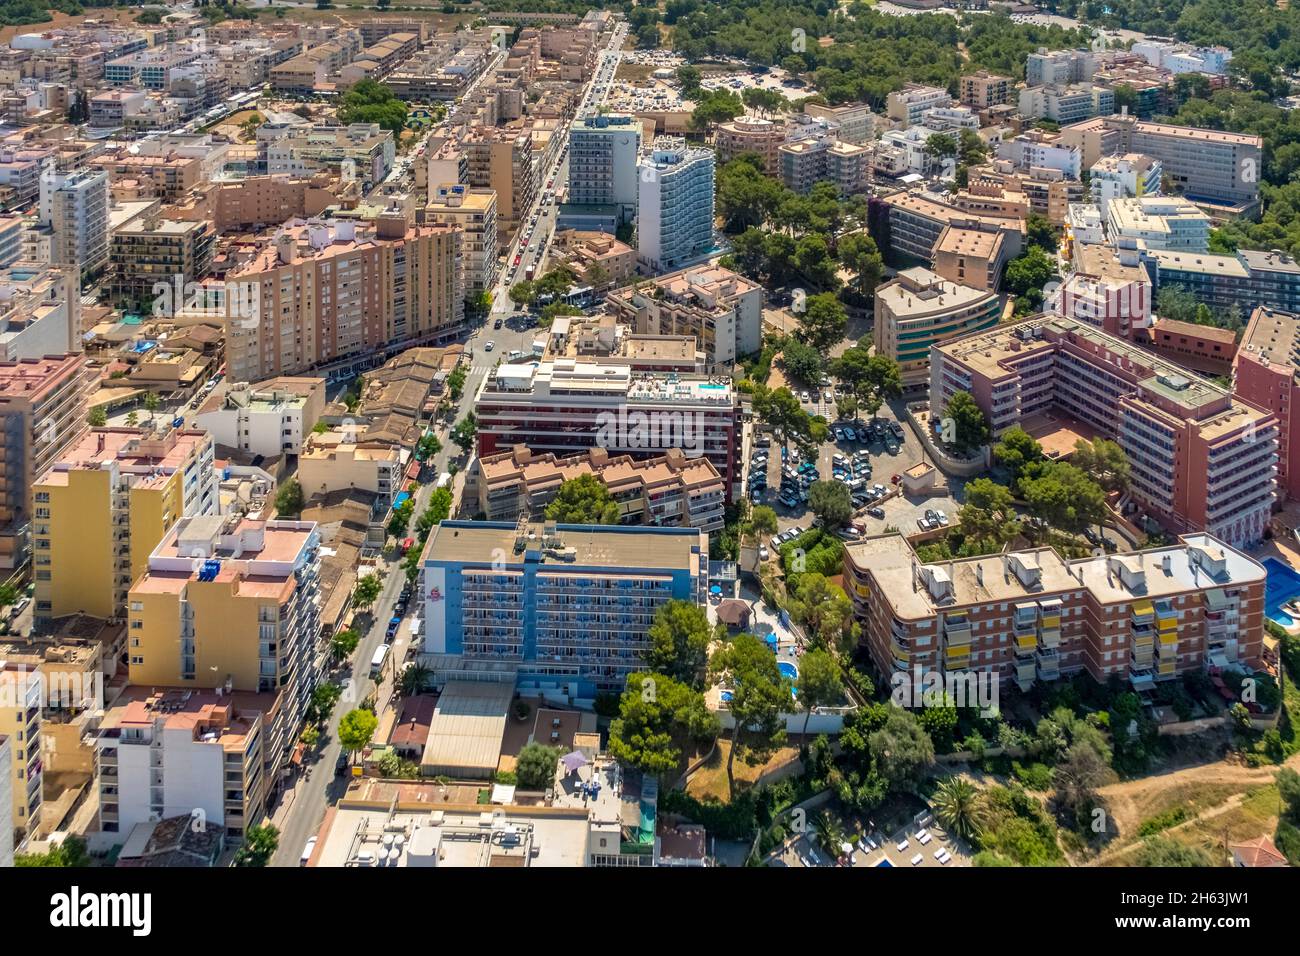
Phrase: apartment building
pixel 1066 104
pixel 907 105
pixel 43 410
pixel 910 225
pixel 474 211
pixel 256 202
pixel 329 292
pixel 270 418
pixel 974 254
pixel 603 153
pixel 1168 223
pixel 360 151
pixel 1027 616
pixel 75 207
pixel 171 176
pixel 564 609
pixel 7 775
pixel 20 725
pixel 602 339
pixel 1242 281
pixel 336 462
pixel 39 313
pixel 674 205
pixel 242 596
pixel 1038 149
pixel 380 59
pixel 1209 167
pixel 501 159
pixel 1200 459
pixel 183 752
pixel 569 406
pixel 1000 188
pixel 669 491
pixel 802 164
pixel 107 502
pixel 1117 300
pixel 750 134
pixel 1131 176
pixel 582 251
pixel 721 309
pixel 919 308
pixel 152 250
pixel 983 89
pixel 1060 67
pixel 855 122
pixel 1264 373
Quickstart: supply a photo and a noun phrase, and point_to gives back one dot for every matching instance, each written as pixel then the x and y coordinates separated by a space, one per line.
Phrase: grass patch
pixel 710 781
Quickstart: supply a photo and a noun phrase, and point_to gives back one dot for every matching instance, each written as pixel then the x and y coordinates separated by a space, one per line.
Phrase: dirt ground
pixel 59 20
pixel 711 779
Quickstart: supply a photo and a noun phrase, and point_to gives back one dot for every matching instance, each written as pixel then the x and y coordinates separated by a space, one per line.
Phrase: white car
pixel 943 518
pixel 762 552
pixel 489 347
pixel 307 851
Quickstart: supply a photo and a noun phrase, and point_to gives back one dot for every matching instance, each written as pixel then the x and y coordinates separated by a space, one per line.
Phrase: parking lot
pixel 885 459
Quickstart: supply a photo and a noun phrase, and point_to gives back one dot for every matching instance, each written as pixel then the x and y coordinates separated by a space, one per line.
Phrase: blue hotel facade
pixel 561 610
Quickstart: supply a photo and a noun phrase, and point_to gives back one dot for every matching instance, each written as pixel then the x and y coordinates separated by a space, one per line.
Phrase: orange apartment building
pixel 1201 459
pixel 1264 373
pixel 1032 615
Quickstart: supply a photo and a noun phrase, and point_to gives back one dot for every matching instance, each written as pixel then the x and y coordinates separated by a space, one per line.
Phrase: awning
pixel 1143 608
pixel 1215 599
pixel 572 761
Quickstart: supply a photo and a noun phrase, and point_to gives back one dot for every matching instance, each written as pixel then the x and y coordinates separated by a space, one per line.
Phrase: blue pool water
pixel 788 670
pixel 1281 585
pixel 727 695
pixel 885 862
pixel 712 388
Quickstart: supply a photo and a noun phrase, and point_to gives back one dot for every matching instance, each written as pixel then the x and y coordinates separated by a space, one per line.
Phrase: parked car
pixel 876 512
pixel 941 517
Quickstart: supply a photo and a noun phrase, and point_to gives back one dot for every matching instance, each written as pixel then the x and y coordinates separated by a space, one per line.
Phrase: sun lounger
pixel 916 860
pixel 902 844
pixel 938 854
pixel 946 858
pixel 923 837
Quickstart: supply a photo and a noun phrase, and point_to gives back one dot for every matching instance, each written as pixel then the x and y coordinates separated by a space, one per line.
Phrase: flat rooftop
pixel 466 730
pixel 579 546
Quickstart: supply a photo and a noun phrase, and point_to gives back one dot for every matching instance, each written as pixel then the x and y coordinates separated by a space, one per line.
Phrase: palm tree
pixel 959 806
pixel 414 679
pixel 829 833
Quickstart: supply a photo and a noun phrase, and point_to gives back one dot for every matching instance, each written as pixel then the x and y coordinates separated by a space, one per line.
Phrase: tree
pixel 289 499
pixel 744 196
pixel 583 500
pixel 1026 275
pixel 714 107
pixel 456 384
pixel 959 807
pixel 1041 234
pixel 689 79
pixel 151 403
pixel 830 834
pixel 970 429
pixel 428 447
pixel 1061 495
pixel 366 592
pixel 401 518
pixel 823 321
pixel 821 682
pixel 535 766
pixel 830 501
pixel 871 377
pixel 70 853
pixel 817 267
pixel 415 680
pixel 97 417
pixel 679 642
pixel 260 844
pixel 9 593
pixel 658 717
pixel 438 510
pixel 1104 462
pixel 780 409
pixel 1016 449
pixel 371 102
pixel 132 418
pixel 596 276
pixel 759 698
pixel 802 362
pixel 1085 768
pixel 464 432
pixel 988 515
pixel 344 643
pixel 356 727
pixel 859 254
pixel 822 607
pixel 1165 851
pixel 762 520
pixel 523 293
pixel 903 750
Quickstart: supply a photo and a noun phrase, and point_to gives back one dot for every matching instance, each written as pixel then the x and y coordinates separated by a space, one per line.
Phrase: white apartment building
pixel 908 105
pixel 675 205
pixel 603 163
pixel 475 211
pixel 271 418
pixel 75 207
pixel 1132 175
pixel 1167 223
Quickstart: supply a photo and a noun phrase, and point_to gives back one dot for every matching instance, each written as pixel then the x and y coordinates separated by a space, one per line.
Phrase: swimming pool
pixel 1281 585
pixel 788 670
pixel 727 695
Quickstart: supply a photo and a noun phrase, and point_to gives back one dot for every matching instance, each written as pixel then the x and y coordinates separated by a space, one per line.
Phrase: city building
pixel 669 491
pixel 1168 223
pixel 269 419
pixel 43 410
pixel 983 89
pixel 230 604
pixel 1200 459
pixel 909 226
pixel 39 313
pixel 185 753
pixel 603 152
pixel 906 106
pixel 6 802
pixel 1211 168
pixel 336 461
pixel 918 308
pixel 562 609
pixel 1026 616
pixel 1066 104
pixel 75 207
pixel 589 253
pixel 721 309
pixel 327 293
pixel 675 205
pixel 1059 67
pixel 20 724
pixel 501 159
pixel 1123 177
pixel 152 250
pixel 107 502
pixel 1237 282
pixel 474 211
pixel 568 406
pixel 854 122
pixel 361 151
pixel 750 134
pixel 1265 374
